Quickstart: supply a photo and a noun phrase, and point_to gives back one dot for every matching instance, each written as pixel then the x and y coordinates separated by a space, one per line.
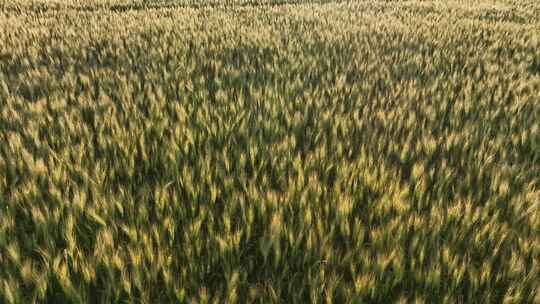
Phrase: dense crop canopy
pixel 362 152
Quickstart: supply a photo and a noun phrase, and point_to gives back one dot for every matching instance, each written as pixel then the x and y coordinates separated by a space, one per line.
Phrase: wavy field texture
pixel 208 152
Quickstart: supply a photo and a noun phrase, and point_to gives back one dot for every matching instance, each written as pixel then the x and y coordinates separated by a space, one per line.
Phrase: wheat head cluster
pixel 269 151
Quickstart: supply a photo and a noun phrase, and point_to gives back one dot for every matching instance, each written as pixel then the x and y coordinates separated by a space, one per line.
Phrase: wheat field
pixel 271 151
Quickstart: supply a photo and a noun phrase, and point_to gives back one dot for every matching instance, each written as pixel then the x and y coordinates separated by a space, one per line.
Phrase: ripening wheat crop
pixel 269 151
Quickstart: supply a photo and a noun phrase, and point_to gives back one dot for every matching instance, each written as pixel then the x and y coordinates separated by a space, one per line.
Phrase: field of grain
pixel 269 151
